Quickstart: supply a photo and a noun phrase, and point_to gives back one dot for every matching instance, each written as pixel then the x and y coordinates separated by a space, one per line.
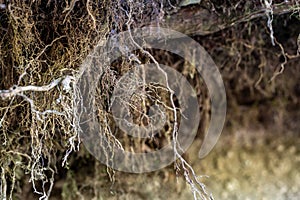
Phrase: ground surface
pixel 241 167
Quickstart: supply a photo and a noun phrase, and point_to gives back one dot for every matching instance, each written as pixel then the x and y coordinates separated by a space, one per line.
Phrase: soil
pixel 245 164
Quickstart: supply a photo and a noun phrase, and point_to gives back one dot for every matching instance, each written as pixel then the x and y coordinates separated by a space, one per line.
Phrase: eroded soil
pixel 263 166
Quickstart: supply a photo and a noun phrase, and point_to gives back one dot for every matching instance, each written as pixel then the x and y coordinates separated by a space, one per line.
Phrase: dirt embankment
pixel 240 167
